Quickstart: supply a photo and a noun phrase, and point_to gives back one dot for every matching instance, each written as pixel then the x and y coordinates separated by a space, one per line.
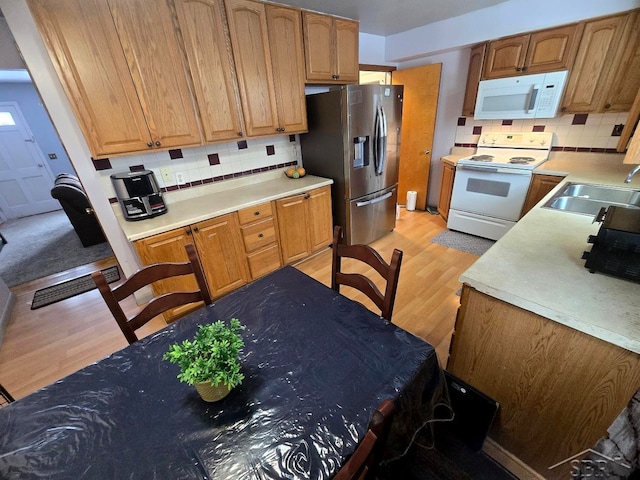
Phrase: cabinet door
pixel 169 247
pixel 473 79
pixel 319 219
pixel 552 49
pixel 347 67
pixel 220 249
pixel 540 186
pixel 291 213
pixel 287 57
pixel 586 84
pixel 83 44
pixel 157 67
pixel 624 76
pixel 206 40
pixel 318 46
pixel 505 57
pixel 250 43
pixel 446 187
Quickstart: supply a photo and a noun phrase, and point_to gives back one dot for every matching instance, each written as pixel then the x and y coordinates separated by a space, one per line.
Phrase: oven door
pixel 497 192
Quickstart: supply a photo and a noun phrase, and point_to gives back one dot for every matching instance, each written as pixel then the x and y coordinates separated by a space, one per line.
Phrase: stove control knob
pixel 543 142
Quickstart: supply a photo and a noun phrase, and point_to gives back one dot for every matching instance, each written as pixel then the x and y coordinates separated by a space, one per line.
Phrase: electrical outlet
pixel 53 156
pixel 180 178
pixel 166 174
pixel 617 130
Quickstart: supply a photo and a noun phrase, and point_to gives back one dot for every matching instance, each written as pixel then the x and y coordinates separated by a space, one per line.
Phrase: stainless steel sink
pixel 588 199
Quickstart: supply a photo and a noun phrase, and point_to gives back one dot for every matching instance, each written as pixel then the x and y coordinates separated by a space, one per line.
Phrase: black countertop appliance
pixel 138 194
pixel 616 247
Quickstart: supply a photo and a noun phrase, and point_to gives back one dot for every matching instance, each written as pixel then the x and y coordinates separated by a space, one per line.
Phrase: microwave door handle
pixel 532 98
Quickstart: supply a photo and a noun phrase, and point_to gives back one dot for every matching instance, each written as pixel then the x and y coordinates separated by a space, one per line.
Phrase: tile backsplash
pixel 205 164
pixel 596 132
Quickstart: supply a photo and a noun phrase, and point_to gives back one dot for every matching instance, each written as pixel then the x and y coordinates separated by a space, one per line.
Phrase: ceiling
pixel 387 17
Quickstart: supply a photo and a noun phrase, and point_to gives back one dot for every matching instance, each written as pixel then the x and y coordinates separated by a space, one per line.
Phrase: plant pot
pixel 212 393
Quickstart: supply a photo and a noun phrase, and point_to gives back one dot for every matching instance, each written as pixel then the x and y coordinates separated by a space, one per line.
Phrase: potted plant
pixel 210 361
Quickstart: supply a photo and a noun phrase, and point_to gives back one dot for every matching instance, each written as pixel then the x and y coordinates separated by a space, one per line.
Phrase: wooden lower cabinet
pixel 260 237
pixel 242 246
pixel 539 187
pixel 446 189
pixel 305 223
pixel 220 251
pixel 558 389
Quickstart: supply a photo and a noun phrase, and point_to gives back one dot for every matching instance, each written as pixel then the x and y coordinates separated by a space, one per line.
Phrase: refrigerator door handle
pixel 380 144
pixel 375 200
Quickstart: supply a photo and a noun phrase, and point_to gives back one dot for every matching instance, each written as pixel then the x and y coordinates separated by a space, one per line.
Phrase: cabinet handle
pixel 524 69
pixel 564 109
pixel 240 134
pixel 158 144
pixel 195 229
pixel 307 196
pixel 335 77
pixel 150 144
pixel 188 230
pixel 518 69
pixel 608 105
pixel 256 213
pixel 260 235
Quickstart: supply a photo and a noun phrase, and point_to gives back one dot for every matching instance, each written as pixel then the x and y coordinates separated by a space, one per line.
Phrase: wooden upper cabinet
pixel 623 82
pixel 347 50
pixel 206 39
pixel 250 42
pixel 473 79
pixel 158 70
pixel 284 27
pixel 538 52
pixel 84 47
pixel 588 81
pixel 331 48
pixel 112 59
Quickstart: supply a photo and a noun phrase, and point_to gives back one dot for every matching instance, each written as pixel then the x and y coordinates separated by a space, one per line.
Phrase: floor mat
pixel 71 288
pixel 463 241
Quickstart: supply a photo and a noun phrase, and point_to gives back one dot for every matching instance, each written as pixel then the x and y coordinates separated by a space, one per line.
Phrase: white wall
pixel 371 49
pixel 9 57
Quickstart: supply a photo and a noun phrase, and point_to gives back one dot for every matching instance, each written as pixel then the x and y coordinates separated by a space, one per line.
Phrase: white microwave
pixel 526 96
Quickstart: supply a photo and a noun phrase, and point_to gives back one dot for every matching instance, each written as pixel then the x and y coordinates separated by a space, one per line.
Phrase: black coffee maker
pixel 138 194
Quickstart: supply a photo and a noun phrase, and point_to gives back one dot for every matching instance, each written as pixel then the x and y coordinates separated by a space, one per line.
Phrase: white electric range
pixel 491 185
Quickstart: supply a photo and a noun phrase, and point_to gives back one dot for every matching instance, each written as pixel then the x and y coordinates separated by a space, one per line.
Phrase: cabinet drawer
pixel 251 214
pixel 258 235
pixel 264 261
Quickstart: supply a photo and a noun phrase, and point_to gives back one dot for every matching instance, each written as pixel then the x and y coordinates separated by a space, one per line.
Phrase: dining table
pixel 316 366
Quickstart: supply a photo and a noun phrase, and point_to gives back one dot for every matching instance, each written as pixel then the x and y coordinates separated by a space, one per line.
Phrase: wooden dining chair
pixel 364 253
pixel 363 463
pixel 5 397
pixel 156 305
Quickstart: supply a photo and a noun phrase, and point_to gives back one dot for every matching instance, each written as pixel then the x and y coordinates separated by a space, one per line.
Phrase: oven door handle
pixel 510 171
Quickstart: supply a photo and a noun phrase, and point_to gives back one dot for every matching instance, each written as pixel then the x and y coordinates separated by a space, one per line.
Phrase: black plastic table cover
pixel 316 365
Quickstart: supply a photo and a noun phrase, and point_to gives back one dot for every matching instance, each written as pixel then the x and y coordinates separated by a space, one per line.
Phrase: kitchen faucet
pixel 632 173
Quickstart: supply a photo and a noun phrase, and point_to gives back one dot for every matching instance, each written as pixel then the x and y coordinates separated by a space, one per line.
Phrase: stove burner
pixel 481 158
pixel 523 160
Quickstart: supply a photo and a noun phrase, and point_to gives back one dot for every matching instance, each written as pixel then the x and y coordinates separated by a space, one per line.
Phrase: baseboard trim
pixel 5 314
pixel 509 461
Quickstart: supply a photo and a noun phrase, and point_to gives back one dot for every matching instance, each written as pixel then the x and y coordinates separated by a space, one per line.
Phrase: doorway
pixel 421 89
pixel 25 176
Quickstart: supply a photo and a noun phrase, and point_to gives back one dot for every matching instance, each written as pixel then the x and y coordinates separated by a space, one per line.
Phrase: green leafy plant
pixel 212 355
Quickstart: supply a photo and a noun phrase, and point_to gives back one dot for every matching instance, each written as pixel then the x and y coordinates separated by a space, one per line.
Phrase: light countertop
pixel 195 204
pixel 537 265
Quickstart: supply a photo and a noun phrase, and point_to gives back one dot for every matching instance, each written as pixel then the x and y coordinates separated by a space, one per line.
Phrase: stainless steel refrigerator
pixel 354 138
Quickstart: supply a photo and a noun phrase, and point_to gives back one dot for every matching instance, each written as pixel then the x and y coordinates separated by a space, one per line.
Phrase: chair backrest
pixel 157 305
pixel 362 464
pixel 5 397
pixel 389 271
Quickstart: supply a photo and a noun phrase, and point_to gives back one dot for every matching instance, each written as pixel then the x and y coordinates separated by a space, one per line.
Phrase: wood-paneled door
pixel 421 88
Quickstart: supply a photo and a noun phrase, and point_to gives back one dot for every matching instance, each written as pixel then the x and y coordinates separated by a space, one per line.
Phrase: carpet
pixel 463 241
pixel 70 288
pixel 41 245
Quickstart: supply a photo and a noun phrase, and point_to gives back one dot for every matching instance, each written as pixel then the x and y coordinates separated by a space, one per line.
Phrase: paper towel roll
pixel 411 200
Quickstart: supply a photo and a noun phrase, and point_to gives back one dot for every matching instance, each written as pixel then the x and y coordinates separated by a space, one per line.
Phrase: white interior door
pixel 25 177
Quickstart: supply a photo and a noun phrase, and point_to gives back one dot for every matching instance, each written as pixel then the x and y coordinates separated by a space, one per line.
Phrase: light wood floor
pixel 44 345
